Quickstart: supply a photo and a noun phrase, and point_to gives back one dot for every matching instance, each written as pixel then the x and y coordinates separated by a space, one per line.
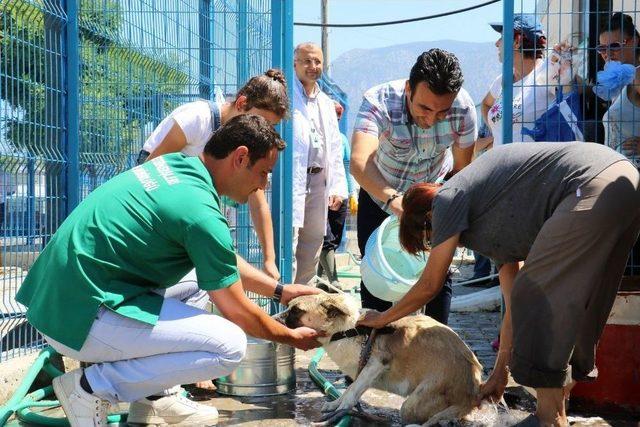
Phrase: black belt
pixel 314 170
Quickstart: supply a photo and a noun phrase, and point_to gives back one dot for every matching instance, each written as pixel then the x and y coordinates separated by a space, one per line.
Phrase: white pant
pixel 307 240
pixel 134 360
pixel 187 291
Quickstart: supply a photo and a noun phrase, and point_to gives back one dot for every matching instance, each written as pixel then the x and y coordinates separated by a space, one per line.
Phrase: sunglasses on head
pixel 603 48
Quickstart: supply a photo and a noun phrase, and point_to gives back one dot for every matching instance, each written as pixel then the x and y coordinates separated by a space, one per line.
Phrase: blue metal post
pixel 242 55
pixel 243 225
pixel 282 196
pixel 31 201
pixel 277 32
pixel 205 41
pixel 507 72
pixel 72 111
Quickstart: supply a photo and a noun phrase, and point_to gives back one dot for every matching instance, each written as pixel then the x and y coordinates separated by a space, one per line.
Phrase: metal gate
pixel 83 82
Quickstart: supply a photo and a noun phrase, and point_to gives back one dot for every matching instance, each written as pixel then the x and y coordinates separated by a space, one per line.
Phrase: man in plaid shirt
pixel 406 132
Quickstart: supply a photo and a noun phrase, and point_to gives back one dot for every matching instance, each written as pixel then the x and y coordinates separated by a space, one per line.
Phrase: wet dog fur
pixel 422 360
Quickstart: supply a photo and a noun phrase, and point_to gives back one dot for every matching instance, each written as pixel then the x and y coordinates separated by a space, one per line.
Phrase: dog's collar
pixel 359 331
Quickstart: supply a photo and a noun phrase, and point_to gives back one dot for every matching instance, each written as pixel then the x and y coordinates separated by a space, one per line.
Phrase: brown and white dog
pixel 419 358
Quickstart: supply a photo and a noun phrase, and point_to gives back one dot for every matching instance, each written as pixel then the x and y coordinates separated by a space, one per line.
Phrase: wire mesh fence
pixel 573 78
pixel 136 61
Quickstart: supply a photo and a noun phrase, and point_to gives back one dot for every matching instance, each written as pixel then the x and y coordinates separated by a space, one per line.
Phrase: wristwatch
pixel 392 198
pixel 277 293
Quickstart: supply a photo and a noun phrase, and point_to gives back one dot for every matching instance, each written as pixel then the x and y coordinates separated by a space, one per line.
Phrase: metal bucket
pixel 267 369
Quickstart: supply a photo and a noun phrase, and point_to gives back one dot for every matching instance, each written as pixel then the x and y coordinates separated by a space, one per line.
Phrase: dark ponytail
pixel 276 75
pixel 621 22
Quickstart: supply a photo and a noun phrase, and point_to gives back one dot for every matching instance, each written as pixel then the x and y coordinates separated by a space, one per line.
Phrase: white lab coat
pixel 336 180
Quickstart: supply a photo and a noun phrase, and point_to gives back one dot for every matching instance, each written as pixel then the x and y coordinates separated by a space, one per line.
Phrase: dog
pixel 415 357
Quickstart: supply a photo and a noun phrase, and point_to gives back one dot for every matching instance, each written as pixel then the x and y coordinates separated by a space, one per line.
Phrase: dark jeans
pixel 633 263
pixel 335 227
pixel 370 216
pixel 482 267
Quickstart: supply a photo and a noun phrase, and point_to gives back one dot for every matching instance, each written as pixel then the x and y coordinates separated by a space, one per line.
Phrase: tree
pixel 116 78
pixel 118 83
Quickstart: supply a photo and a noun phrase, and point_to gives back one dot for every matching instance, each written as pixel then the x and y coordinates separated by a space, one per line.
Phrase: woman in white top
pixel 190 126
pixel 619 41
pixel 622 123
pixel 534 82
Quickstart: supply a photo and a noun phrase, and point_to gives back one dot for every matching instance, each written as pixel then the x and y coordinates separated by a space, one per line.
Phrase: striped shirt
pixel 407 153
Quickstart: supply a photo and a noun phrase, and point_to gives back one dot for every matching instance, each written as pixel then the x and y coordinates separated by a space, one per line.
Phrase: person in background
pixel 318 173
pixel 188 128
pixel 619 40
pixel 402 135
pixel 336 219
pixel 535 81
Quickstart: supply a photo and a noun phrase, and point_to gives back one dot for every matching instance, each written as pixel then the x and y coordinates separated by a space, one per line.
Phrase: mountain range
pixel 357 70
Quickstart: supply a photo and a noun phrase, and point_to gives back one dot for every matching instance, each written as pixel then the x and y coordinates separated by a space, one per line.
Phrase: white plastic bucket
pixel 387 270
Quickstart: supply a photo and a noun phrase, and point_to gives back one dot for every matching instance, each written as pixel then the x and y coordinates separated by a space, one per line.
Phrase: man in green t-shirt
pixel 95 290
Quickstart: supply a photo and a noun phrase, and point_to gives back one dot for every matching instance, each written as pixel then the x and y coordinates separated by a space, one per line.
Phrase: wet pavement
pixel 302 405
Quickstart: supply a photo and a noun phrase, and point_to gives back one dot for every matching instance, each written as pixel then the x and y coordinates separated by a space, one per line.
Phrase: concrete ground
pixel 302 405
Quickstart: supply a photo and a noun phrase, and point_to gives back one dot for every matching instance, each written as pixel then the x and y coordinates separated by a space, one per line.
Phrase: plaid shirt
pixel 407 153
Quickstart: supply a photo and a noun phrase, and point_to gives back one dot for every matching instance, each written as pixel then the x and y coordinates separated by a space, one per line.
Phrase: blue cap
pixel 527 24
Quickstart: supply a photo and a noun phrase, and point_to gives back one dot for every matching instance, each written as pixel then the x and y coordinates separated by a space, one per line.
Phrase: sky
pixel 467 26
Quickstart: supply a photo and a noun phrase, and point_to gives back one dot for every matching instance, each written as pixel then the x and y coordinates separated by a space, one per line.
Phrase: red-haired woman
pixel 571 212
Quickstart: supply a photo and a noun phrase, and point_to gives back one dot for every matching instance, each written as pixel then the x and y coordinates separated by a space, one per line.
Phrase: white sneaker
pixel 173 410
pixel 82 409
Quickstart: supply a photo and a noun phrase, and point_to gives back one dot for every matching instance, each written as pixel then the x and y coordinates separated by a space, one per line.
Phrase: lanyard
pixel 215 115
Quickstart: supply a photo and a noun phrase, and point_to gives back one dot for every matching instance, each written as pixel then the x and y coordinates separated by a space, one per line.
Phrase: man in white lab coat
pixel 318 174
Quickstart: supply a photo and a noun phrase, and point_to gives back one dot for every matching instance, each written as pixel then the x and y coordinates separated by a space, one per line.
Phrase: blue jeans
pixel 482 267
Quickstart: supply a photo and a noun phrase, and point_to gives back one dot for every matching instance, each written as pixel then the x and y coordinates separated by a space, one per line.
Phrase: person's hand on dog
pixel 372 319
pixel 292 291
pixel 493 389
pixel 306 338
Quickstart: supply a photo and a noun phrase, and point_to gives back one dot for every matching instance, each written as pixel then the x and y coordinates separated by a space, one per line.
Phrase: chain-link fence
pixel 572 77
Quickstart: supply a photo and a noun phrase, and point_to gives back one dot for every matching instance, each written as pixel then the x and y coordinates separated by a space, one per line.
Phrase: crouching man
pixel 96 291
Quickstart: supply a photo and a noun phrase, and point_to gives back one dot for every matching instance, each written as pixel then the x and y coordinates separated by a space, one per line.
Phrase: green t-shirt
pixel 142 230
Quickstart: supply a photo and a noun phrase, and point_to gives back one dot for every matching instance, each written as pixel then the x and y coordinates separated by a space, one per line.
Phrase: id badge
pixel 315 139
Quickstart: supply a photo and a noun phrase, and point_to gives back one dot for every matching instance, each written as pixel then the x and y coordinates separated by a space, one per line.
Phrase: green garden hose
pixel 10 407
pixel 20 402
pixel 325 385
